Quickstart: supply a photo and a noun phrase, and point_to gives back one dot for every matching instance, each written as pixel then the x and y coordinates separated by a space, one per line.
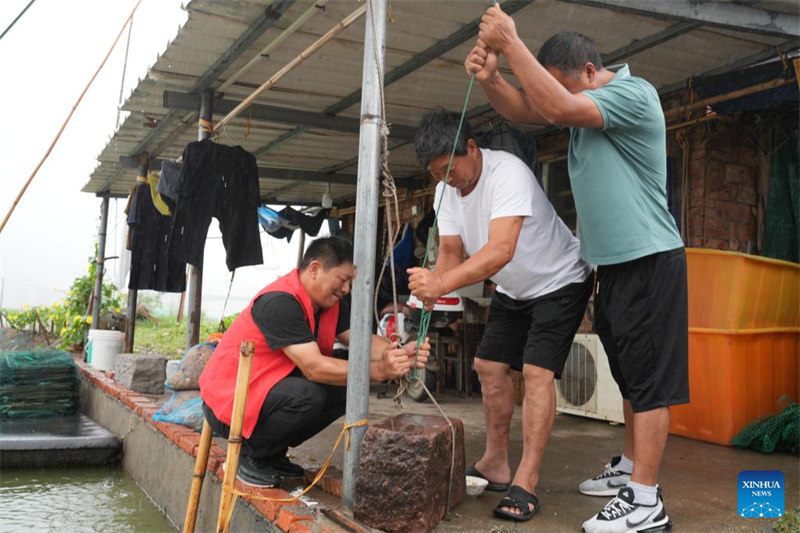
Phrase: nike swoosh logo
pixel 610 484
pixel 640 522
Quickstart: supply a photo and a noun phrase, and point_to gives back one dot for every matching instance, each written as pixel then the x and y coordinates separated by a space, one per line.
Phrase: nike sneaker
pixel 621 515
pixel 608 483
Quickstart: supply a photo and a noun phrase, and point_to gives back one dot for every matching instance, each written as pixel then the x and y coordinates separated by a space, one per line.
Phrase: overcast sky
pixel 46 59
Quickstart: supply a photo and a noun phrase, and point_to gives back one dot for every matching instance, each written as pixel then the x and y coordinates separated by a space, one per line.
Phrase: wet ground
pixel 699 480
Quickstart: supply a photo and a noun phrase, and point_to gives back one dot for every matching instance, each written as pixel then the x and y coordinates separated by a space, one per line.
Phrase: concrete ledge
pixel 72 440
pixel 161 456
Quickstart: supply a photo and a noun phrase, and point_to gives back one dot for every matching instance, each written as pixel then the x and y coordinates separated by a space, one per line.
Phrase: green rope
pixel 425 318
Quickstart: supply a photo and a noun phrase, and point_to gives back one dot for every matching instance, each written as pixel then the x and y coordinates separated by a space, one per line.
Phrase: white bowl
pixel 476 486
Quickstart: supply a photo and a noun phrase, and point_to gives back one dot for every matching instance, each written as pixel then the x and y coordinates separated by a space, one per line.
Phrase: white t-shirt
pixel 547 256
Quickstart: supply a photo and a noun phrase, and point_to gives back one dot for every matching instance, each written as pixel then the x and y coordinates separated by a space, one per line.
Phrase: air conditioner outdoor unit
pixel 586 387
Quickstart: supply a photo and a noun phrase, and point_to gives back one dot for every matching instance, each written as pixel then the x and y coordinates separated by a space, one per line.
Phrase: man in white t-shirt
pixel 495 212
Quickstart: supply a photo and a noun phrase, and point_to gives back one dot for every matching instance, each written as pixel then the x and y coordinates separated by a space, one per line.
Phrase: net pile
pixel 779 432
pixel 38 383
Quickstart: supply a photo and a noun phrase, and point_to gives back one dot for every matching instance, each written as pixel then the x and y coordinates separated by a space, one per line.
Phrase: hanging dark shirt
pixel 151 266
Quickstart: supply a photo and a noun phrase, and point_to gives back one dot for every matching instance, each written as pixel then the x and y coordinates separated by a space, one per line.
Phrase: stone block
pixel 404 472
pixel 143 373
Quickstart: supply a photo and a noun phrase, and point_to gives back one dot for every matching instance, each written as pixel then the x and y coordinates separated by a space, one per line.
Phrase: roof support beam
pixel 619 54
pixel 728 15
pixel 240 45
pixel 271 14
pixel 269 172
pixel 650 41
pixel 423 58
pixel 281 139
pixel 257 28
pixel 188 101
pixel 468 31
pixel 305 175
pixel 771 52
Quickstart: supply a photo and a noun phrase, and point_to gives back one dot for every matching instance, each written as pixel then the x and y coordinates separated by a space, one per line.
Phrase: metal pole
pixel 130 320
pixel 195 285
pixel 301 247
pixel 100 262
pixel 365 245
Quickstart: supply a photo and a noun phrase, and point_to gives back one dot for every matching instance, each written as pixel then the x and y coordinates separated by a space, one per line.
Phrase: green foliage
pixel 228 320
pixel 69 316
pixel 161 335
pixel 21 319
pixel 166 337
pixel 789 522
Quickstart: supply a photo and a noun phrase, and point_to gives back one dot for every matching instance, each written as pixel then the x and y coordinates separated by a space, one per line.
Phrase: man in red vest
pixel 297 384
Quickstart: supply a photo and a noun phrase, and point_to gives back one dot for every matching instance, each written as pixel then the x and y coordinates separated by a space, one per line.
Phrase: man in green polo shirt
pixel 617 169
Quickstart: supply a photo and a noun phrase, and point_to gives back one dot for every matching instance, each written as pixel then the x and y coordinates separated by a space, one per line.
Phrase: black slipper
pixel 518 498
pixel 494 487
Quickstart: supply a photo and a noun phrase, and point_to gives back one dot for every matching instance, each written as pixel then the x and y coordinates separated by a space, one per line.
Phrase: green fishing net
pixel 38 383
pixel 779 432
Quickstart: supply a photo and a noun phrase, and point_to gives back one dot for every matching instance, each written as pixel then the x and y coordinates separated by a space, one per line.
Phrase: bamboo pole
pixel 796 63
pixel 69 117
pixel 305 54
pixel 688 123
pixel 200 466
pixel 235 435
pixel 772 84
pixel 180 307
pixel 44 329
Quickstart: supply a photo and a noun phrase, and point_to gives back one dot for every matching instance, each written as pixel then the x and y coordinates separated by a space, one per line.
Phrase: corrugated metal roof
pixel 321 83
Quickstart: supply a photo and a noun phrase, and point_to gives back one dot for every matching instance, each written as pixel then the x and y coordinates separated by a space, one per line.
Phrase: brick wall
pixel 722 199
pixel 722 203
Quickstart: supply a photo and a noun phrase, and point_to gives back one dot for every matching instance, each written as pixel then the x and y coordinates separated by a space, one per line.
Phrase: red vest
pixel 218 381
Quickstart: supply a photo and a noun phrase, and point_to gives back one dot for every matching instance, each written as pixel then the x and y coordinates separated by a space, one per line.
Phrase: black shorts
pixel 641 316
pixel 535 332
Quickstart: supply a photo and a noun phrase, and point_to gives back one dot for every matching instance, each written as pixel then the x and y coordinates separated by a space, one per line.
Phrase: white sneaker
pixel 608 483
pixel 621 515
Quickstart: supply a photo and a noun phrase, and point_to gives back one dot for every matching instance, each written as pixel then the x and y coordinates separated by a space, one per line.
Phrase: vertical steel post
pixel 130 321
pixel 194 289
pixel 301 247
pixel 100 262
pixel 365 240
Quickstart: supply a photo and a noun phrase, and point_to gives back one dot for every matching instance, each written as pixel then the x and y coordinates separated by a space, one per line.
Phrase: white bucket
pixel 102 346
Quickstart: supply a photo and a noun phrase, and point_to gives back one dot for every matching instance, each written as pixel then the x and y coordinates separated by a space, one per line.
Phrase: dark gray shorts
pixel 641 316
pixel 535 332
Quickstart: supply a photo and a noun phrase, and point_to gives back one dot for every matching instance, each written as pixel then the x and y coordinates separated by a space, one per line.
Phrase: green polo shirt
pixel 619 173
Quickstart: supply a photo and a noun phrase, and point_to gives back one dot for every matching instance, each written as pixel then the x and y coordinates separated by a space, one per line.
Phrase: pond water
pixel 76 500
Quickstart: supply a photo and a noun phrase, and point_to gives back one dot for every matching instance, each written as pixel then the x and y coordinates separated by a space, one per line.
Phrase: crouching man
pixel 297 388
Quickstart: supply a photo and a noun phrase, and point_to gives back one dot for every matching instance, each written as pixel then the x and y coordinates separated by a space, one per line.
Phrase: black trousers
pixel 295 410
pixel 220 181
